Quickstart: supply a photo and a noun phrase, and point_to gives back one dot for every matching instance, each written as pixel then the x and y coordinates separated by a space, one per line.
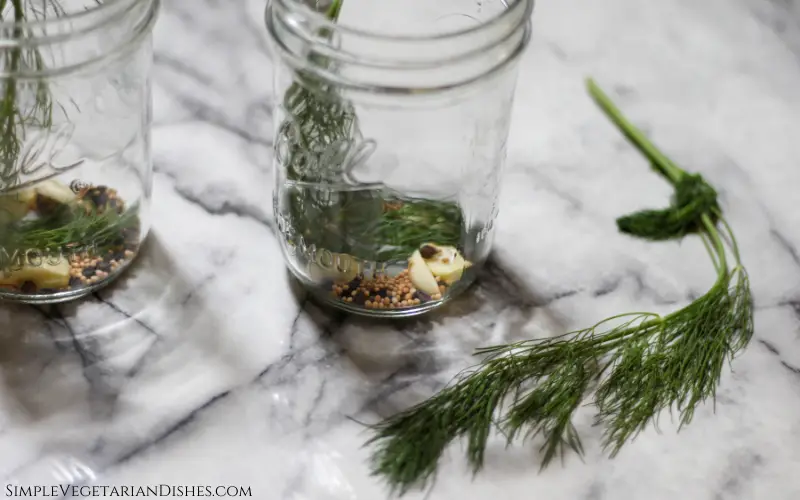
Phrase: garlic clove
pixel 44 275
pixel 16 206
pixel 52 191
pixel 421 275
pixel 450 271
pixel 446 262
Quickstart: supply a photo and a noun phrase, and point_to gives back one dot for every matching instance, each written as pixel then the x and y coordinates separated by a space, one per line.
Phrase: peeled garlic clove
pixel 450 270
pixel 44 275
pixel 432 252
pixel 53 191
pixel 421 275
pixel 16 206
pixel 446 263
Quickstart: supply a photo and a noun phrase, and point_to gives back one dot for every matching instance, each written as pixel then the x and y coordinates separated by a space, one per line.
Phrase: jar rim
pixel 320 20
pixel 398 64
pixel 73 16
pixel 80 24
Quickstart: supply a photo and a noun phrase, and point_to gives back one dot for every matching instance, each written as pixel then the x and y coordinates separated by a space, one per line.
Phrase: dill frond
pixel 328 208
pixel 23 104
pixel 642 363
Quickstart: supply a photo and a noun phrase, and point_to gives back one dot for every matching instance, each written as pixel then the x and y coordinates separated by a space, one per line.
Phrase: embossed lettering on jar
pixel 75 166
pixel 391 121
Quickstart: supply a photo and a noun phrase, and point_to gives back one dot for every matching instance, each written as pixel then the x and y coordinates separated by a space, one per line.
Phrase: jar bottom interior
pixel 71 293
pixel 391 293
pixel 60 242
pixel 374 252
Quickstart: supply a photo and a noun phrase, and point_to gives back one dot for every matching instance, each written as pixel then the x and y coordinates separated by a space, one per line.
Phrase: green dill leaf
pixel 693 198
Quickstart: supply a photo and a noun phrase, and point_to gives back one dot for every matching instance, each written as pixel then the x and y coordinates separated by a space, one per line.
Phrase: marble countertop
pixel 202 367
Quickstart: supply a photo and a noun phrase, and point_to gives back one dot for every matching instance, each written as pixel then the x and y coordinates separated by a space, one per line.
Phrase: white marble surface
pixel 201 368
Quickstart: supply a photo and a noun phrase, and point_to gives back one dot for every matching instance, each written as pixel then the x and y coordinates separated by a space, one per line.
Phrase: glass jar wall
pixel 75 166
pixel 390 129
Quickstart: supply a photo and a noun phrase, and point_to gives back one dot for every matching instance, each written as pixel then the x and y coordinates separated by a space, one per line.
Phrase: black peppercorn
pixel 354 283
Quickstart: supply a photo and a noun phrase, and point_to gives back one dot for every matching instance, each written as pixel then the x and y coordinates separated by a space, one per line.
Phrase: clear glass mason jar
pixel 75 162
pixel 391 121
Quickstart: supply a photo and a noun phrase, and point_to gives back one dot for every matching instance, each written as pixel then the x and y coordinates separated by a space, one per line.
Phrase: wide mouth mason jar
pixel 391 121
pixel 75 162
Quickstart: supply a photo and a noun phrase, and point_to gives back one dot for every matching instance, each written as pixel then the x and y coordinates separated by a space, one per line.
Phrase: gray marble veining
pixel 204 365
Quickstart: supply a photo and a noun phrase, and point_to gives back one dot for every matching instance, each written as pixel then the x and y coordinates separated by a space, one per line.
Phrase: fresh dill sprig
pixel 314 136
pixel 328 208
pixel 408 223
pixel 638 363
pixel 23 104
pixel 70 225
pixel 317 117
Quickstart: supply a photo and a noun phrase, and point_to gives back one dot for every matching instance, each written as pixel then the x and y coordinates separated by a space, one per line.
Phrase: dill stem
pixel 722 274
pixel 18 13
pixel 706 239
pixel 334 9
pixel 733 244
pixel 9 147
pixel 711 231
pixel 672 171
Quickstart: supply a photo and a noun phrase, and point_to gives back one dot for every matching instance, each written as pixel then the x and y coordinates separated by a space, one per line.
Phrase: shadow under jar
pixel 391 122
pixel 75 166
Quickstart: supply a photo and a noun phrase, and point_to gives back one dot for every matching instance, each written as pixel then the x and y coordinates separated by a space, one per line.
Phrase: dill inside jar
pixel 391 121
pixel 75 167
